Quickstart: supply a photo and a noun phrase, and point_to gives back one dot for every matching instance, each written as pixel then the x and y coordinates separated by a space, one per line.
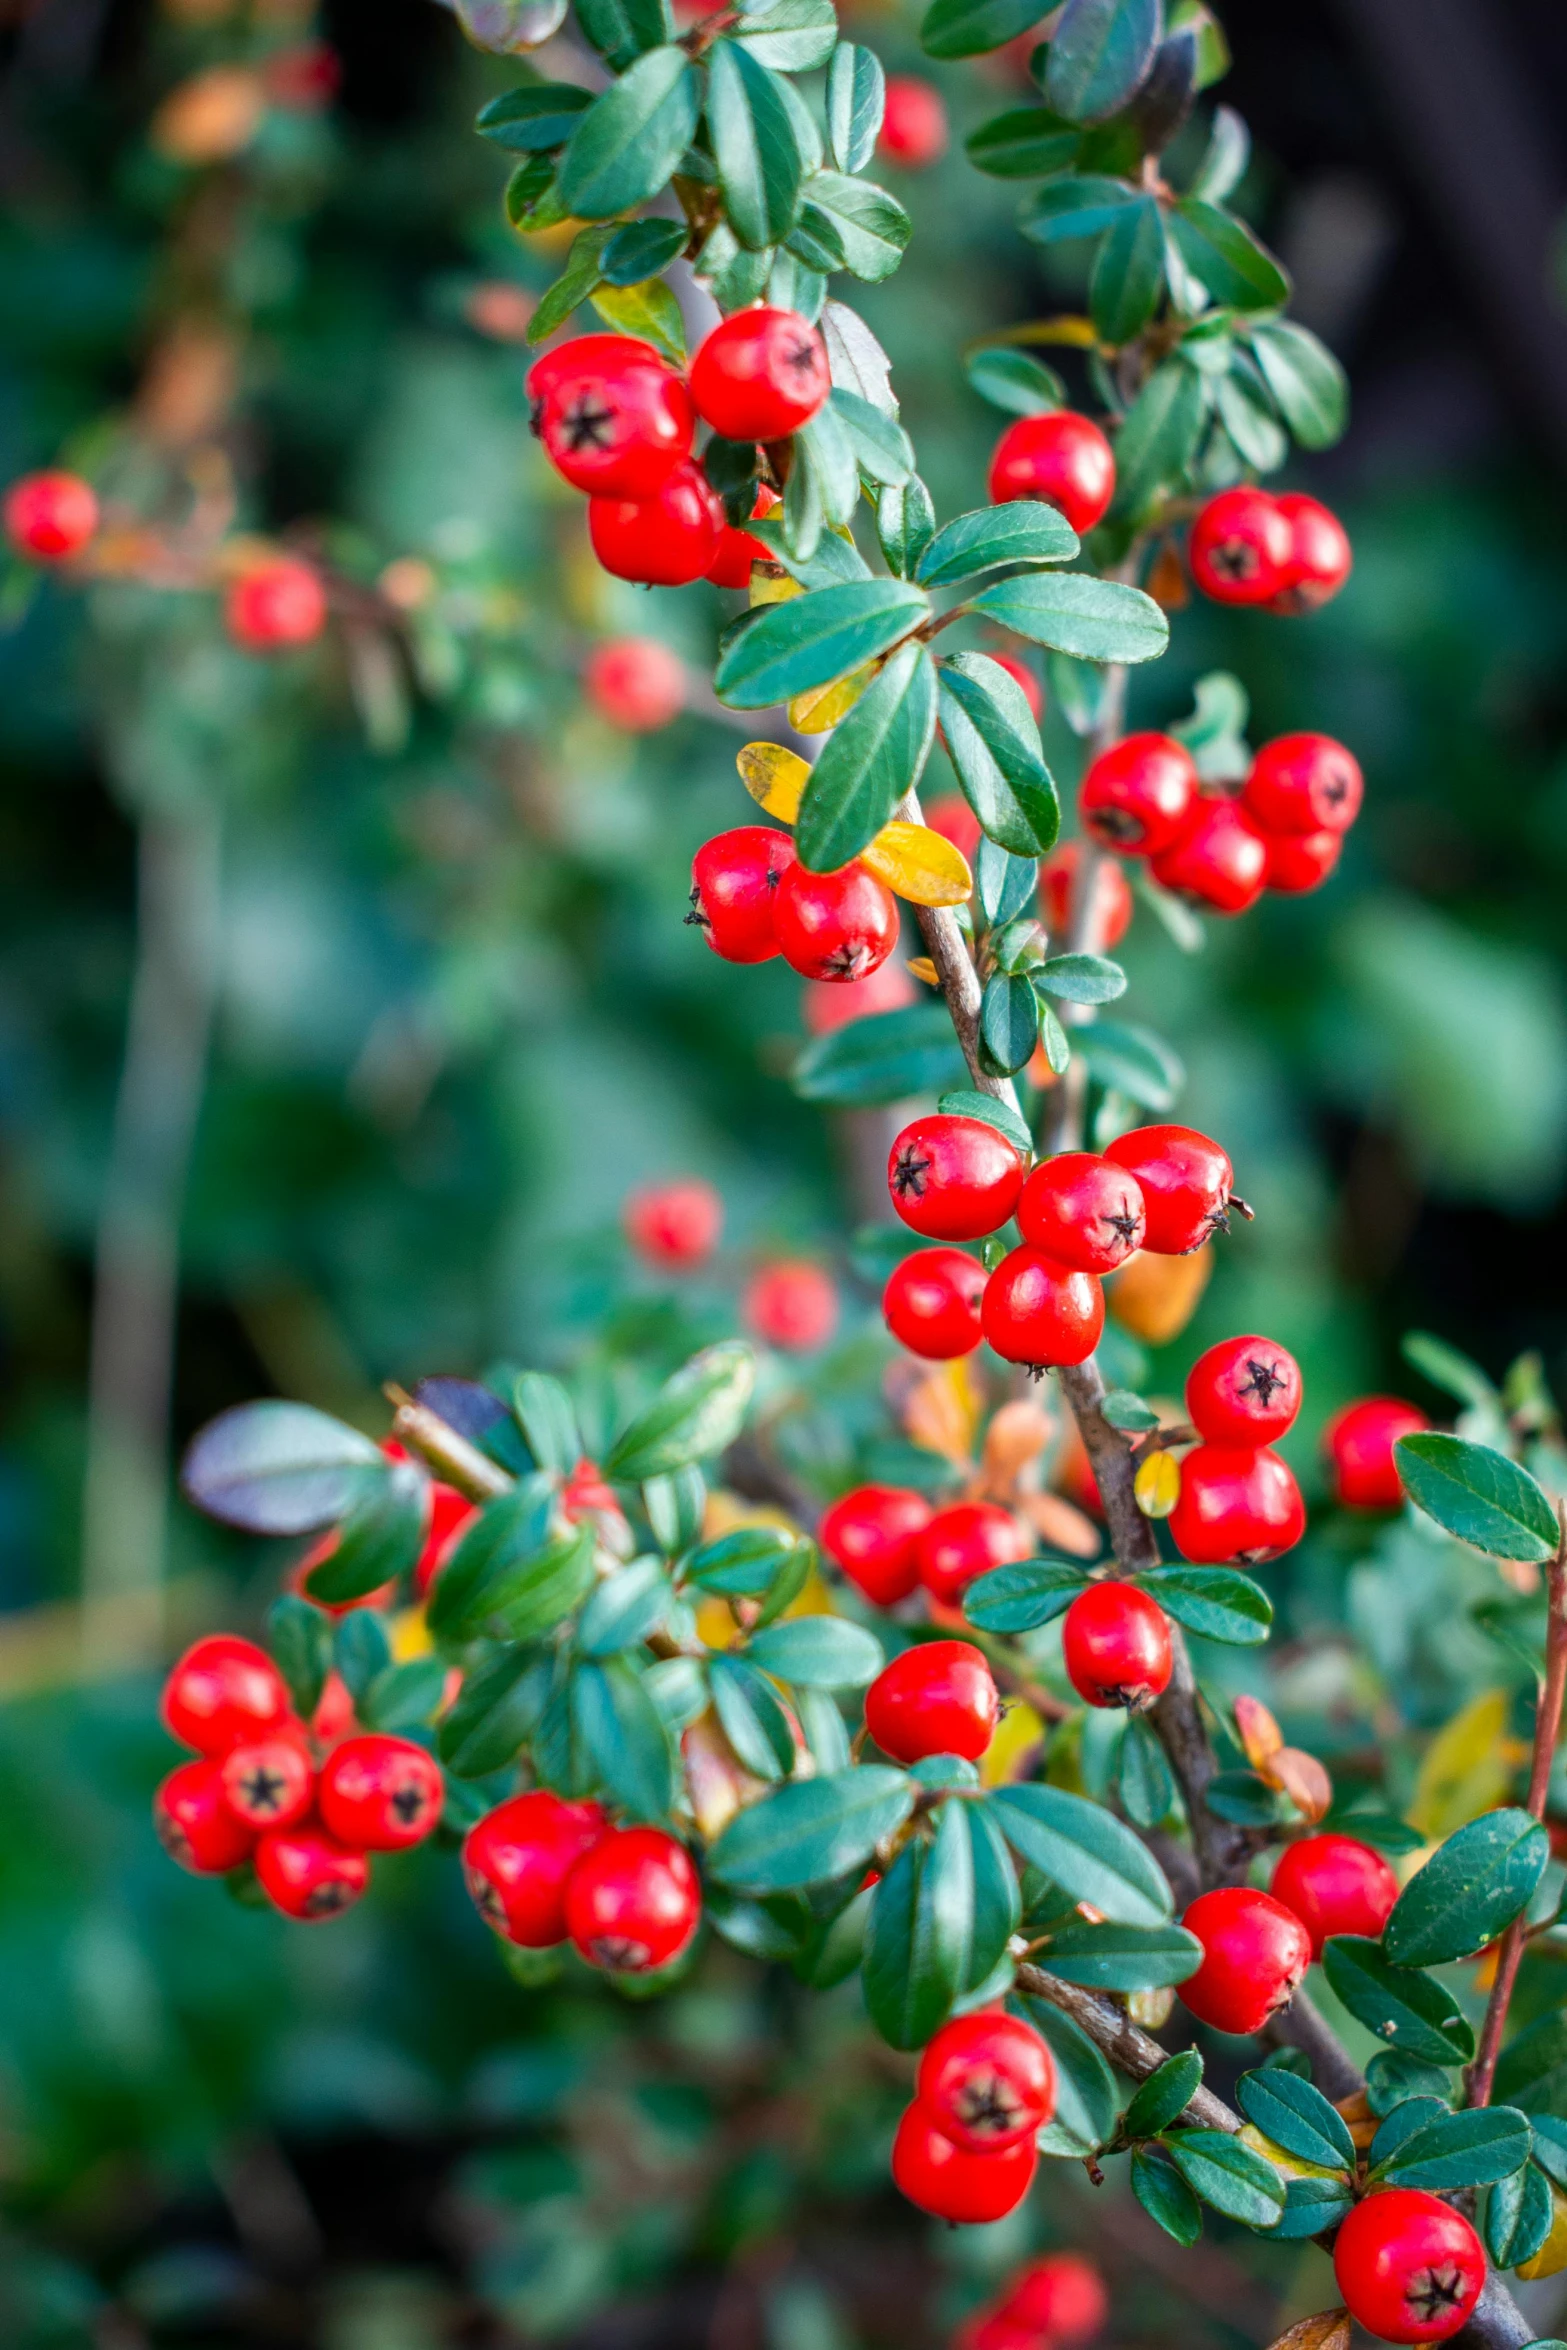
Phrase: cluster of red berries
pixel 1286 553
pixel 1284 831
pixel 752 899
pixel 1056 2303
pixel 50 516
pixel 619 421
pixel 1239 1499
pixel 890 1542
pixel 965 2148
pixel 268 1789
pixel 1257 1946
pixel 543 1871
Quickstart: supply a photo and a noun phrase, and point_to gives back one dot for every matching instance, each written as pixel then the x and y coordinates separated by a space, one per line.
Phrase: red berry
pixel 633 1903
pixel 270 1782
pixel 516 1860
pixel 987 2081
pixel 839 926
pixel 614 417
pixel 739 549
pixel 1083 1210
pixel 1033 692
pixel 222 1690
pixel 1300 861
pixel 1409 2266
pixel 931 1303
pixel 380 1794
pixel 1236 1503
pixel 1221 859
pixel 793 1305
pixel 636 683
pixel 1062 458
pixel 735 879
pixel 1116 1644
pixel 1335 1885
pixel 938 1697
pixel 333 1719
pixel 829 1004
pixel 1255 1954
pixel 1060 2297
pixel 872 1533
pixel 674 1223
pixel 1185 1181
pixel 1243 1391
pixel 914 124
pixel 1112 893
pixel 194 1823
pixel 50 515
pixel 954 1178
pixel 941 2179
pixel 951 816
pixel 451 1514
pixel 1241 547
pixel 968 1540
pixel 1137 796
pixel 760 375
pixel 1040 1312
pixel 308 1874
pixel 993 2329
pixel 666 539
pixel 275 604
pixel 1319 560
pixel 1303 783
pixel 1359 1441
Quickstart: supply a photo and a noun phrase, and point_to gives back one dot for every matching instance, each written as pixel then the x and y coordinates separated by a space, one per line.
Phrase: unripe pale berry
pixel 50 515
pixel 839 926
pixel 1116 1646
pixel 1241 547
pixel 735 879
pixel 968 1540
pixel 308 1874
pixel 1244 1391
pixel 613 415
pixel 380 1794
pixel 674 1224
pixel 222 1690
pixel 954 1178
pixel 950 2184
pixel 1319 559
pixel 1062 458
pixel 1040 1312
pixel 1409 2266
pixel 1301 861
pixel 914 124
pixel 633 1903
pixel 760 375
pixel 666 539
pixel 792 1304
pixel 872 1533
pixel 195 1824
pixel 938 1697
pixel 1186 1183
pixel 1083 1210
pixel 1236 1503
pixel 275 605
pixel 270 1782
pixel 1359 1441
pixel 516 1861
pixel 1220 858
pixel 1255 1956
pixel 1061 2297
pixel 987 2081
pixel 931 1303
pixel 1304 783
pixel 739 549
pixel 1113 905
pixel 635 682
pixel 1335 1885
pixel 1137 797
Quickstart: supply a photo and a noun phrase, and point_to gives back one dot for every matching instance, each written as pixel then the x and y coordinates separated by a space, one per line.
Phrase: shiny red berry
pixel 968 1540
pixel 840 926
pixel 792 1304
pixel 760 375
pixel 635 682
pixel 735 879
pixel 50 515
pixel 1116 1646
pixel 1220 859
pixel 1236 1503
pixel 1409 2266
pixel 931 1303
pixel 451 1514
pixel 274 605
pixel 270 1782
pixel 1040 1312
pixel 948 2183
pixel 987 2081
pixel 937 1697
pixel 872 1533
pixel 614 417
pixel 1113 906
pixel 1302 783
pixel 1063 459
pixel 308 1874
pixel 515 1862
pixel 739 549
pixel 633 1903
pixel 195 1824
pixel 828 1005
pixel 954 1178
pixel 379 1793
pixel 1301 861
pixel 1335 1885
pixel 1319 559
pixel 222 1690
pixel 674 1224
pixel 1359 1441
pixel 1241 547
pixel 1185 1181
pixel 1243 1391
pixel 1255 1954
pixel 1061 2298
pixel 666 539
pixel 950 815
pixel 1138 796
pixel 1083 1210
pixel 913 130
pixel 1023 677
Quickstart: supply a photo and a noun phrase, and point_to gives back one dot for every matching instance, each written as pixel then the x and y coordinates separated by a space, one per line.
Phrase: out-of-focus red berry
pixel 222 1690
pixel 914 126
pixel 1024 677
pixel 827 1005
pixel 938 1697
pixel 1060 2297
pixel 1304 783
pixel 380 1794
pixel 676 1223
pixel 276 605
pixel 1301 861
pixel 516 1861
pixel 793 1305
pixel 635 682
pixel 950 815
pixel 1137 797
pixel 633 1902
pixel 1359 1441
pixel 1219 858
pixel 966 1540
pixel 308 1874
pixel 1319 559
pixel 872 1533
pixel 51 515
pixel 270 1782
pixel 1112 892
pixel 666 539
pixel 1335 1885
pixel 1241 547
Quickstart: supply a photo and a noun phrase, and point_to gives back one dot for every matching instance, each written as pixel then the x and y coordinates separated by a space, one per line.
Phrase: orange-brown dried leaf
pixel 921 967
pixel 1328 2330
pixel 1260 1734
pixel 1061 1525
pixel 1017 1435
pixel 1155 1297
pixel 1167 580
pixel 1303 1779
pixel 942 1412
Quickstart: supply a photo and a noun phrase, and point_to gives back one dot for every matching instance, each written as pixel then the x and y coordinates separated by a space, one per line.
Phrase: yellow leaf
pixel 1155 1297
pixel 1077 333
pixel 942 1412
pixel 1464 1771
pixel 772 587
pixel 1157 1484
pixel 649 310
pixel 1260 1734
pixel 774 777
pixel 920 865
pixel 1151 2009
pixel 1289 2164
pixel 1019 1735
pixel 410 1635
pixel 921 967
pixel 1551 2258
pixel 824 705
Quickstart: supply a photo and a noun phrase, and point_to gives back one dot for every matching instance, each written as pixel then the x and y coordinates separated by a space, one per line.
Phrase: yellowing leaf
pixel 942 1412
pixel 1329 2330
pixel 1465 1770
pixel 649 310
pixel 920 865
pixel 410 1635
pixel 1019 1736
pixel 772 587
pixel 824 705
pixel 1076 333
pixel 1157 1484
pixel 715 1623
pixel 921 967
pixel 1151 2009
pixel 1290 2164
pixel 1551 2258
pixel 774 777
pixel 1260 1734
pixel 1155 1297
pixel 1303 1779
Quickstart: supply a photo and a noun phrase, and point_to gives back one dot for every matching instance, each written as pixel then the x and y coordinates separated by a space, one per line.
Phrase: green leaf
pixel 856 100
pixel 997 1905
pixel 1099 56
pixel 1092 619
pixel 1081 979
pixel 1305 379
pixel 1083 205
pixel 697 1411
pixel 534 118
pixel 992 738
pixel 674 1506
pixel 1164 2096
pixel 1518 2217
pixel 788 649
pixel 1020 1598
pixel 744 1563
pixel 1531 2071
pixel 360 1649
pixel 1086 2098
pixel 881 448
pixel 403 1697
pixel 1027 142
pixel 621 29
pixel 619 1725
pixel 631 138
pixel 872 226
pixel 1004 884
pixel 300 1640
pixel 968 28
pixel 1472 2149
pixel 905 524
pixel 1297 2117
pixel 532 199
pixel 753 1717
pixel 1128 1412
pixel 1128 275
pixel 1123 1958
pixel 760 167
pixel 1165 2196
pixel 819 1652
pixel 625 1608
pixel 573 286
pixel 870 761
pixel 642 249
pixel 1014 381
pixel 380 1541
pixel 1133 1060
pixel 1085 1851
pixel 1479 1495
pixel 1223 253
pixel 506 1534
pixel 1159 438
pixel 962 1103
pixel 811 1830
pixel 548 1419
pixel 920 1929
pixel 1225 159
pixel 542 1591
pixel 1311 2207
pixel 496 1712
pixel 836 563
pixel 1008 1022
pixel 648 310
pixel 1231 2176
pixel 1218 1603
pixel 1471 1887
pixel 881 1059
pixel 1246 413
pixel 1023 530
pixel 1142 1777
pixel 1446 1368
pixel 279 1468
pixel 1246 1799
pixel 791 36
pixel 1391 2079
pixel 1411 2011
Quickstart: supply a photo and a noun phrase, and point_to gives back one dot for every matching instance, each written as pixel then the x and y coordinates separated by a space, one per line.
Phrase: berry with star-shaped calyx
pixel 1220 858
pixel 50 515
pixel 839 926
pixel 931 1303
pixel 613 415
pixel 270 1782
pixel 1255 1953
pixel 739 549
pixel 1409 2266
pixel 1241 547
pixel 1335 1885
pixel 222 1690
pixel 309 1874
pixel 954 2185
pixel 666 539
pixel 1236 1502
pixel 1243 1391
pixel 937 1697
pixel 379 1793
pixel 633 1903
pixel 735 879
pixel 1186 1182
pixel 1137 796
pixel 965 1540
pixel 1303 783
pixel 1084 1210
pixel 1113 902
pixel 516 1860
pixel 987 2081
pixel 1301 861
pixel 1320 559
pixel 872 1533
pixel 1062 459
pixel 760 375
pixel 1116 1646
pixel 1040 1312
pixel 1359 1442
pixel 195 1824
pixel 954 1178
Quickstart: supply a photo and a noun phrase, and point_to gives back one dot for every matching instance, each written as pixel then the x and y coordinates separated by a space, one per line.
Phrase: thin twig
pixel 1132 2050
pixel 450 1455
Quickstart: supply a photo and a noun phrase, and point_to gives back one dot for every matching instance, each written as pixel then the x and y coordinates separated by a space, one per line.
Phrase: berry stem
pixel 454 1460
pixel 959 980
